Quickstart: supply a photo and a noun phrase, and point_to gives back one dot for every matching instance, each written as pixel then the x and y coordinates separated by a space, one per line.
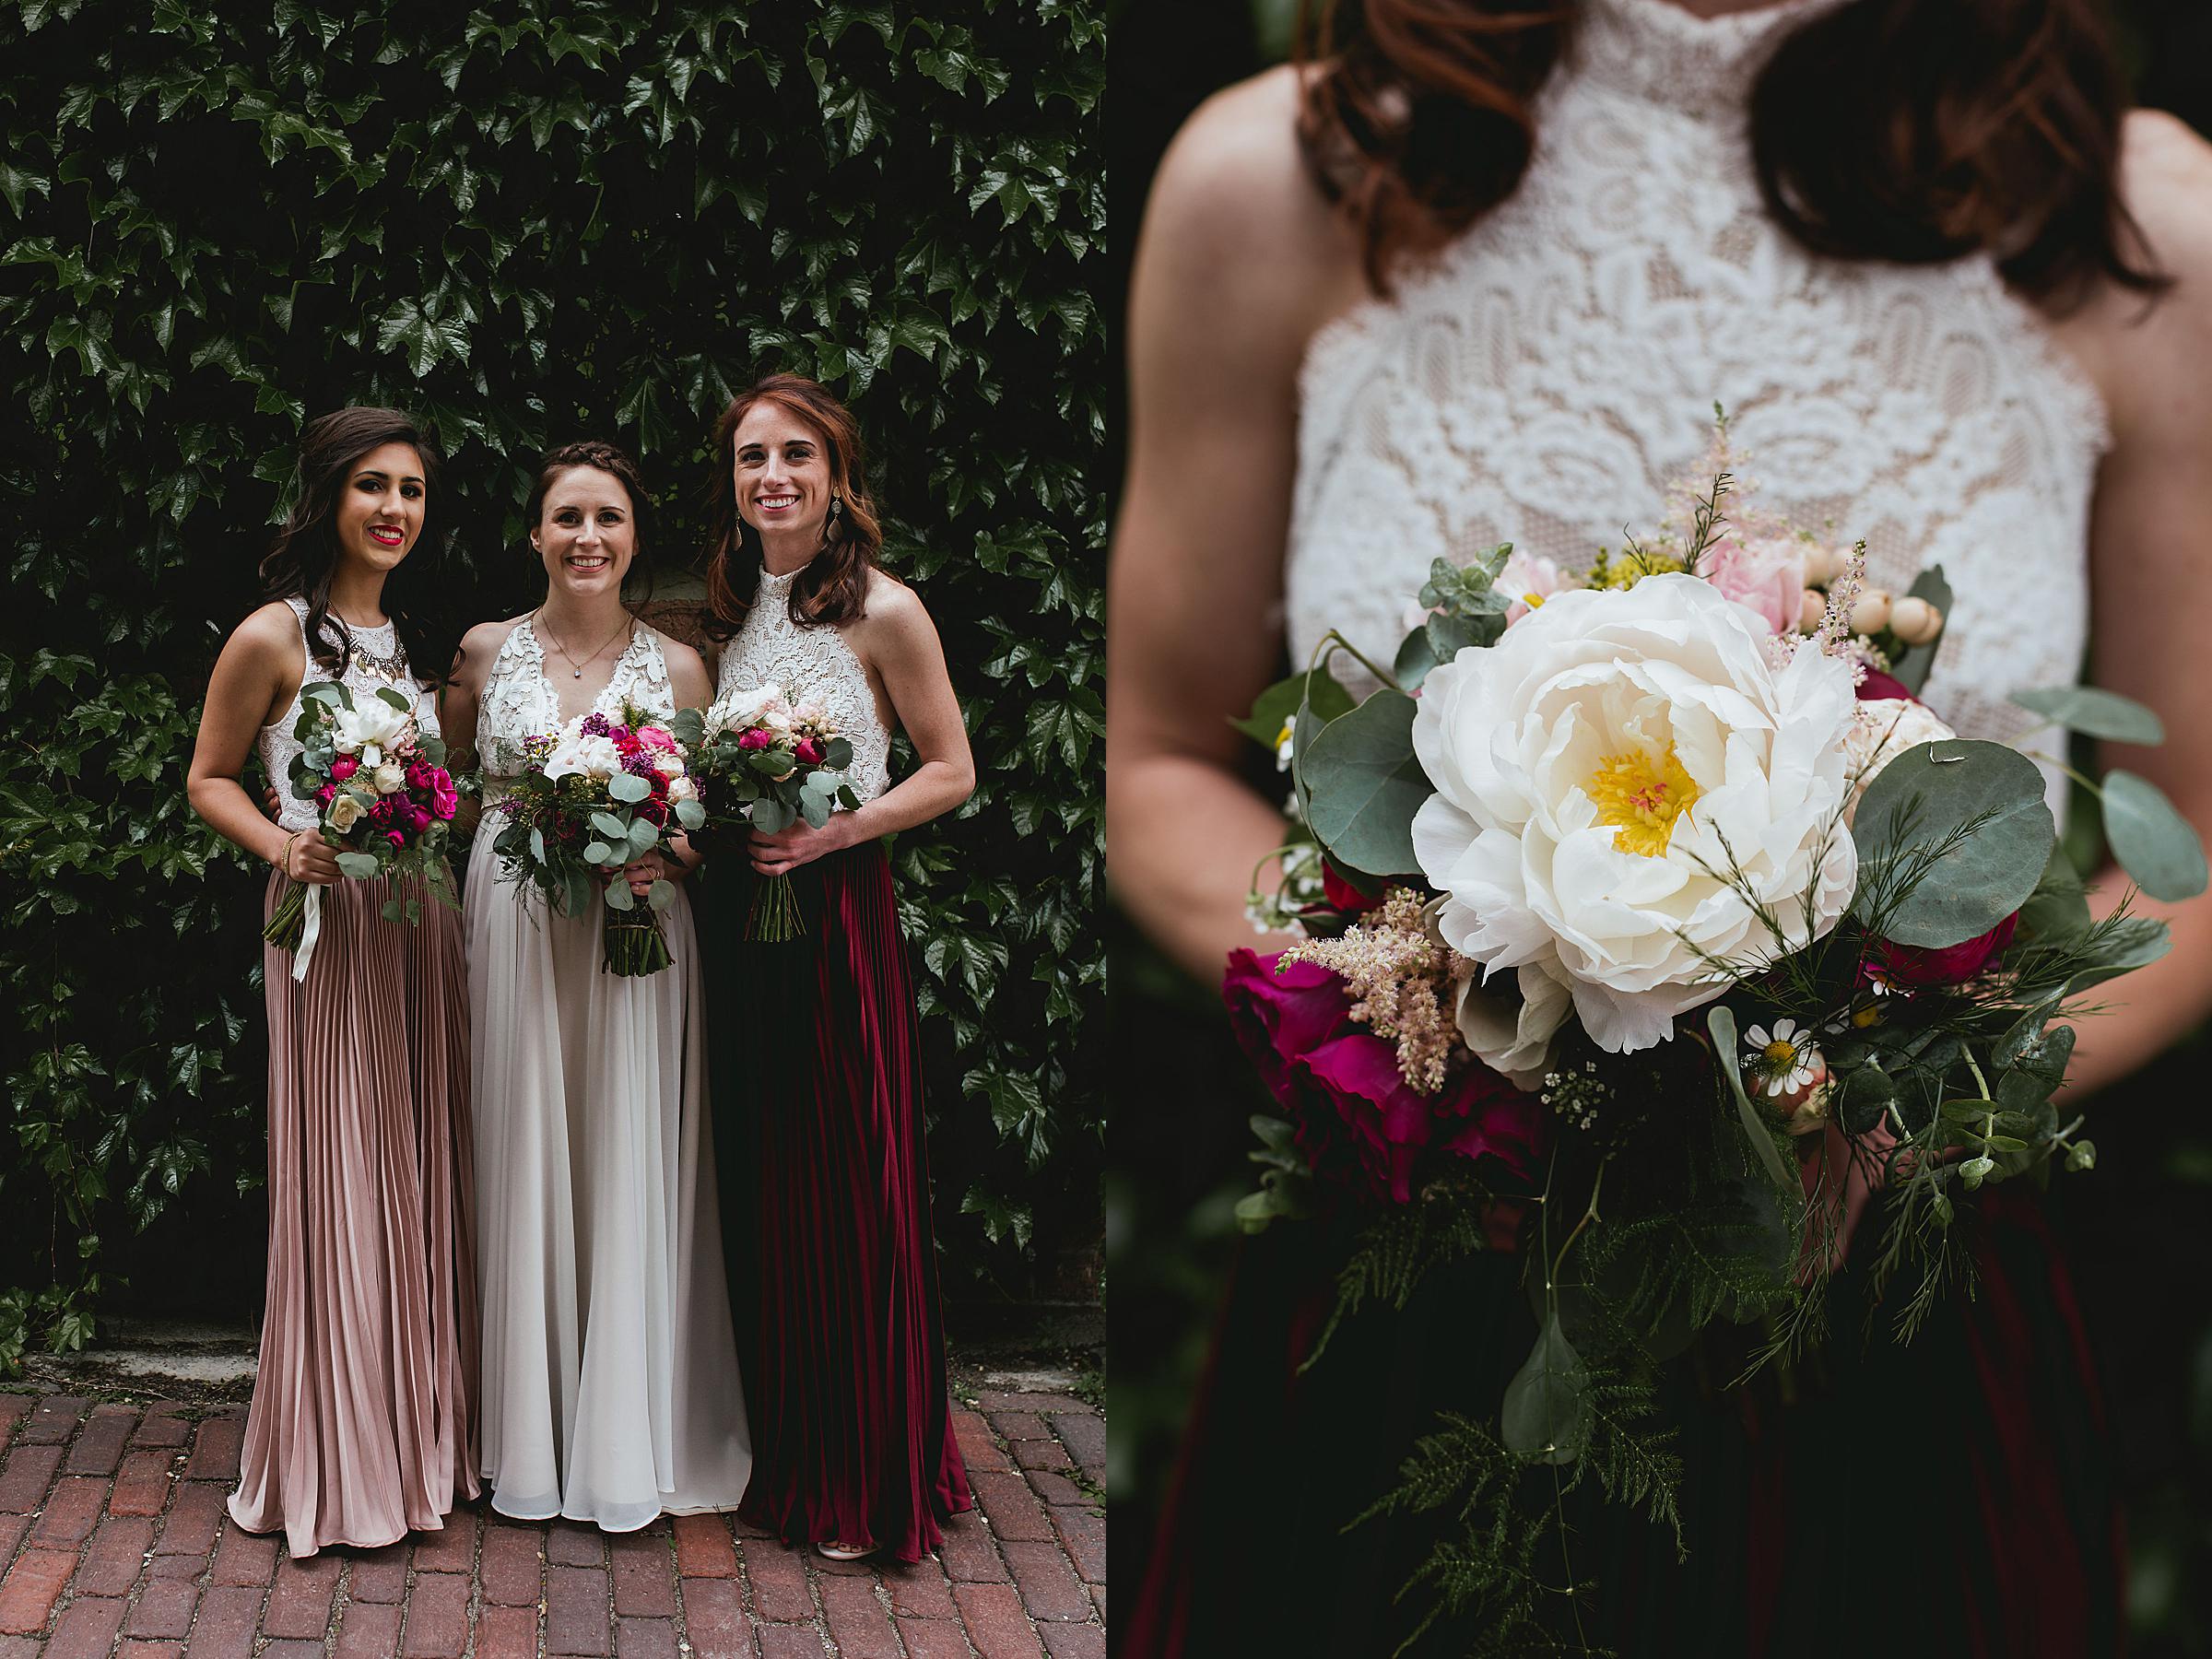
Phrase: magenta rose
pixel 1358 1122
pixel 1768 575
pixel 395 838
pixel 1912 967
pixel 419 818
pixel 1879 687
pixel 444 803
pixel 755 738
pixel 343 768
pixel 809 751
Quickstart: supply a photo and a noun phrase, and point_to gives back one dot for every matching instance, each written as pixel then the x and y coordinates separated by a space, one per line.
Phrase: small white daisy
pixel 1781 1059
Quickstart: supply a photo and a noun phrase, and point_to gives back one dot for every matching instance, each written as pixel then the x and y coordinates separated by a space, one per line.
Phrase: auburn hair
pixel 302 559
pixel 833 588
pixel 1915 130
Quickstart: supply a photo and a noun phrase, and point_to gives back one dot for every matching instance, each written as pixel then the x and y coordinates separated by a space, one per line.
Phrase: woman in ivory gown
pixel 818 1080
pixel 611 1390
pixel 363 1422
pixel 1479 274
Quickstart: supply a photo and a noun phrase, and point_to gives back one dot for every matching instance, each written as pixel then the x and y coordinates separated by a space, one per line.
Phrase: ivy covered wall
pixel 600 219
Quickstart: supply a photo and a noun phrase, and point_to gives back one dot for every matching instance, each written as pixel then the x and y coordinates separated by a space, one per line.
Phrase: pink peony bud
pixel 343 768
pixel 755 738
pixel 809 751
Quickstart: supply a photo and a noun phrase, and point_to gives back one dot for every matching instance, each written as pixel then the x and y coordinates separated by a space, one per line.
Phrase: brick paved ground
pixel 115 1541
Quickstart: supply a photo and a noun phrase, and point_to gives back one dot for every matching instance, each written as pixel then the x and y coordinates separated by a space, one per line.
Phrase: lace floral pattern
pixel 520 705
pixel 769 648
pixel 277 745
pixel 1542 379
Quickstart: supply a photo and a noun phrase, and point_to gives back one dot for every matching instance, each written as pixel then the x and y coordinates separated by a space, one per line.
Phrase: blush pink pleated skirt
pixel 363 1423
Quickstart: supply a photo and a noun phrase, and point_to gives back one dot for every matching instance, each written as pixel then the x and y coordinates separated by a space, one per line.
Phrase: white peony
pixel 371 724
pixel 1599 772
pixel 1882 728
pixel 741 709
pixel 577 753
pixel 667 763
pixel 682 789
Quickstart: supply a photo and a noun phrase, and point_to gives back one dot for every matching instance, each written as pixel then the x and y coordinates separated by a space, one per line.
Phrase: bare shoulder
pixel 893 601
pixel 270 630
pixel 2149 357
pixel 1237 234
pixel 681 658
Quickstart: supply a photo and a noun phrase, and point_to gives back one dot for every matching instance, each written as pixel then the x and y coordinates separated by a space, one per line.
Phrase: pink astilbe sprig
pixel 1401 981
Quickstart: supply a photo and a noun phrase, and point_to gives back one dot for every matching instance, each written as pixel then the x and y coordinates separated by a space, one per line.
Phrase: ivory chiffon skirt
pixel 362 1426
pixel 611 1390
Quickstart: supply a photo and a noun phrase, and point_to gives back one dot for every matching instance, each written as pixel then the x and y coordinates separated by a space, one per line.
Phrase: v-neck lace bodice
pixel 520 711
pixel 771 649
pixel 1543 379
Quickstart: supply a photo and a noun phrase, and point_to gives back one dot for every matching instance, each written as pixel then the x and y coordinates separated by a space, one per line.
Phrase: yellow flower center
pixel 1777 1053
pixel 1642 798
pixel 1534 601
pixel 1867 1015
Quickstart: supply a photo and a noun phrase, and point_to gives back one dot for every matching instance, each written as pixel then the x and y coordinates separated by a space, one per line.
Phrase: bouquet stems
pixel 775 916
pixel 289 919
pixel 634 944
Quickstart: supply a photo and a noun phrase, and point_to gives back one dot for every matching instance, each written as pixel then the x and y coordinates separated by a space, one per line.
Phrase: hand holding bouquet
pixel 386 803
pixel 1654 926
pixel 766 763
pixel 606 794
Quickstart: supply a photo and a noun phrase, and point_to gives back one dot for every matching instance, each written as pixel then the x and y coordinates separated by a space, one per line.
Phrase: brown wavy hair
pixel 303 555
pixel 833 589
pixel 1915 130
pixel 612 459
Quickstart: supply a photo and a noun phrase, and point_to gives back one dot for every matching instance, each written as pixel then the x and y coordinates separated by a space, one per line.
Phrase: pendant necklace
pixel 630 624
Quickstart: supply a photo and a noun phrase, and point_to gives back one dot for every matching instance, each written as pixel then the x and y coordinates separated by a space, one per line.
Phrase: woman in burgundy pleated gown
pixel 814 1060
pixel 363 1422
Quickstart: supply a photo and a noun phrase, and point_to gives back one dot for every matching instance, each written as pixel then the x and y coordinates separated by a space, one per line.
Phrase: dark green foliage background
pixel 219 221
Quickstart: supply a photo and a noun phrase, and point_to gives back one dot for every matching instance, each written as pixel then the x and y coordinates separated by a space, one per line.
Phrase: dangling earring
pixel 837 505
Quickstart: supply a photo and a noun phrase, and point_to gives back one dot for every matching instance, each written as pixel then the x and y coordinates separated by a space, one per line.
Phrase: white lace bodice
pixel 1545 378
pixel 520 712
pixel 771 649
pixel 375 662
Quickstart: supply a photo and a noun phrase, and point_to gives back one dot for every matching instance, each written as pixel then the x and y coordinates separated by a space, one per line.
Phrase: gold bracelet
pixel 284 858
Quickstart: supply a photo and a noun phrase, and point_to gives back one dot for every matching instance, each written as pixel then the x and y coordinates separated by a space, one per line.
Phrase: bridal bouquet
pixel 766 762
pixel 1653 928
pixel 387 802
pixel 602 794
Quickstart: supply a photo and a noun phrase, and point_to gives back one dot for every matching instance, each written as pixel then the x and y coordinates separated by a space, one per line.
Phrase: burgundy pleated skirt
pixel 815 1066
pixel 1951 1497
pixel 363 1423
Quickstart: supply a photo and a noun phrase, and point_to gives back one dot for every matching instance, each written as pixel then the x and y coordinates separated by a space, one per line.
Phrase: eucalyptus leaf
pixel 2123 946
pixel 661 894
pixel 1963 826
pixel 1864 1098
pixel 619 896
pixel 690 814
pixel 2059 908
pixel 2155 846
pixel 1545 1416
pixel 360 866
pixel 627 787
pixel 384 694
pixel 1275 707
pixel 608 825
pixel 2094 713
pixel 597 852
pixel 1365 784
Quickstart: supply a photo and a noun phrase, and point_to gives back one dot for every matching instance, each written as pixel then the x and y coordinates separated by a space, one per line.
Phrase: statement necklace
pixel 387 665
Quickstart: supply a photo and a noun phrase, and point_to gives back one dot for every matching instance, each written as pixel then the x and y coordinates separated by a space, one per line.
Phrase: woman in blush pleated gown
pixel 817 1083
pixel 362 1426
pixel 611 1392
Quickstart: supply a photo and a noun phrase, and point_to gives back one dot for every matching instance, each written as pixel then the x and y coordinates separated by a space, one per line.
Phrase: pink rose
pixel 343 768
pixel 654 738
pixel 755 738
pixel 445 803
pixel 809 751
pixel 419 818
pixel 1768 575
pixel 395 838
pixel 1529 579
pixel 325 795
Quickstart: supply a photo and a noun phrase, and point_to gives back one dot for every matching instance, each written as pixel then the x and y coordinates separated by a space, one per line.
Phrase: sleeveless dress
pixel 1541 382
pixel 611 1390
pixel 363 1422
pixel 818 1094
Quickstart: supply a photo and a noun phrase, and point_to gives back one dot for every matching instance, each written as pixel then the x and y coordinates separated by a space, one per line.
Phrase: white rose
pixel 390 777
pixel 682 789
pixel 346 811
pixel 667 763
pixel 1598 772
pixel 1882 728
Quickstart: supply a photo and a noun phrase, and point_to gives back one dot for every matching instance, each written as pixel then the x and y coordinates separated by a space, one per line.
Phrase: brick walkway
pixel 115 1540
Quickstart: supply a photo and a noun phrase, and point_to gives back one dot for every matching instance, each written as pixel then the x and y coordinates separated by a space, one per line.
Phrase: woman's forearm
pixel 930 791
pixel 232 813
pixel 1185 835
pixel 2149 1010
